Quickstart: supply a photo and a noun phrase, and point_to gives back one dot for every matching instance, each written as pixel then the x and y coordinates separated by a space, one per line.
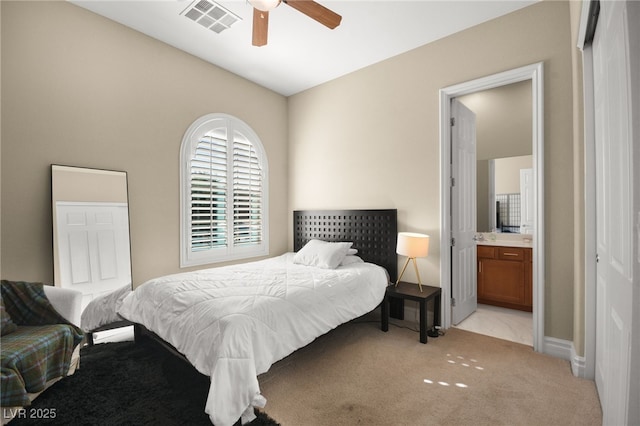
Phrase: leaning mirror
pixel 91 249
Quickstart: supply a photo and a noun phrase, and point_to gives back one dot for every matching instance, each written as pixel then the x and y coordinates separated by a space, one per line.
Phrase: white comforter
pixel 232 323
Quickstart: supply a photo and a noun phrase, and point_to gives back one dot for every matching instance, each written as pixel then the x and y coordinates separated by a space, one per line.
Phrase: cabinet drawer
pixel 486 252
pixel 511 253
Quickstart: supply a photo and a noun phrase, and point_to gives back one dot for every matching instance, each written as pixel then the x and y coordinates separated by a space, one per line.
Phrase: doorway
pixel 534 73
pixel 503 161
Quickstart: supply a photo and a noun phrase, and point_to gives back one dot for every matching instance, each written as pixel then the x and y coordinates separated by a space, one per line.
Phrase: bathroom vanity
pixel 505 274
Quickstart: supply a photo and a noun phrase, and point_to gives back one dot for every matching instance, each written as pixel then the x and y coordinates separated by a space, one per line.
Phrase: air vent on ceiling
pixel 210 15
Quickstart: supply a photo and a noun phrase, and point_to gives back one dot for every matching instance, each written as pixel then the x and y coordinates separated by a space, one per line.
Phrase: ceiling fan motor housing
pixel 264 5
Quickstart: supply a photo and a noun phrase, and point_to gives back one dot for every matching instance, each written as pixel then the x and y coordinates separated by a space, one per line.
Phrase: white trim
pixel 193 133
pixel 578 363
pixel 533 72
pixel 558 348
pixel 590 247
pixel 584 20
pixel 91 203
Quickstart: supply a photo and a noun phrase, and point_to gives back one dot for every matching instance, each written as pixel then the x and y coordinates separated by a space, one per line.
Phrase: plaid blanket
pixel 27 304
pixel 40 349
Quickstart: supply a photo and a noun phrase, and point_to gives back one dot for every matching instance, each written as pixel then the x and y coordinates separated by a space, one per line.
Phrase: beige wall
pixel 371 139
pixel 507 173
pixel 578 184
pixel 483 188
pixel 88 185
pixel 504 122
pixel 81 90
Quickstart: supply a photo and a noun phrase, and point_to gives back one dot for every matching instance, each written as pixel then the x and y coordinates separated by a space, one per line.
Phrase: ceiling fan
pixel 310 8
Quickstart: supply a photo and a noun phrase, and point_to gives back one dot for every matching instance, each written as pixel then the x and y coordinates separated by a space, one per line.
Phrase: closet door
pixel 613 216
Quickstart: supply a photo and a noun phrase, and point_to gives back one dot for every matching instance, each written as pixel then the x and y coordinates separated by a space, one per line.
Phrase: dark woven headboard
pixel 373 233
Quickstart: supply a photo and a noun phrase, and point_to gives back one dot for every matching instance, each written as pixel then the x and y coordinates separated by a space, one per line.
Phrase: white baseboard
pixel 578 364
pixel 565 349
pixel 558 348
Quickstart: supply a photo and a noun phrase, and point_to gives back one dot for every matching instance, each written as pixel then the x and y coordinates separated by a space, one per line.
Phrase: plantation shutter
pixel 247 193
pixel 209 192
pixel 224 192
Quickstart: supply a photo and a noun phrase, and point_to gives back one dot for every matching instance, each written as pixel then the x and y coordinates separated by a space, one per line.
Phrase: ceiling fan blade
pixel 316 11
pixel 260 27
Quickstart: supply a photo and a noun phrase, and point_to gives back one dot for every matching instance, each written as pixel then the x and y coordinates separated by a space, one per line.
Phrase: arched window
pixel 224 192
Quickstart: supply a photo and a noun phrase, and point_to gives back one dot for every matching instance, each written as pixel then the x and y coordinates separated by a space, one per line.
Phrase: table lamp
pixel 412 245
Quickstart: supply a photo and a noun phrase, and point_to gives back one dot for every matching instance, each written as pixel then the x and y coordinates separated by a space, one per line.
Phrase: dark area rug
pixel 127 383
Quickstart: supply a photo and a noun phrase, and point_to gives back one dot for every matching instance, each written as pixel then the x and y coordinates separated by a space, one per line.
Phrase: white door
pixel 613 212
pixel 526 200
pixel 463 212
pixel 93 244
pixel 492 197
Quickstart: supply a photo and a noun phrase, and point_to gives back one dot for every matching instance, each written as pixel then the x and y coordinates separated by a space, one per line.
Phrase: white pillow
pixel 352 251
pixel 322 254
pixel 350 259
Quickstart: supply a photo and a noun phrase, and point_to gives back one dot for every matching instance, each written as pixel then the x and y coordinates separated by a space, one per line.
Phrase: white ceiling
pixel 302 53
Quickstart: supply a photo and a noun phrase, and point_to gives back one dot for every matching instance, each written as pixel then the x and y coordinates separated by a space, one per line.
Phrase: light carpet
pixel 357 374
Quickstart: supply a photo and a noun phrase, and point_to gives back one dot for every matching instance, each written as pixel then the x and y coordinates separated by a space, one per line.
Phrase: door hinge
pixel 453 301
pixel 453 121
pixel 453 242
pixel 453 181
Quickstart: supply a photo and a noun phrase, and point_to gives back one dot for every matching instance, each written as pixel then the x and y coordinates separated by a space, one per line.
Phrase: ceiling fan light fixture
pixel 264 5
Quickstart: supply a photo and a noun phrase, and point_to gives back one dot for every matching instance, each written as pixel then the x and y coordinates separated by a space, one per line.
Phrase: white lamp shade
pixel 412 244
pixel 264 5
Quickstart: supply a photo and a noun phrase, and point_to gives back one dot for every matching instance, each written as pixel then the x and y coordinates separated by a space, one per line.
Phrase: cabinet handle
pixel 480 263
pixel 510 254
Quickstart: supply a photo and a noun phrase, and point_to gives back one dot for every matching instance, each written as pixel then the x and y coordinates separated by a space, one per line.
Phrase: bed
pixel 232 323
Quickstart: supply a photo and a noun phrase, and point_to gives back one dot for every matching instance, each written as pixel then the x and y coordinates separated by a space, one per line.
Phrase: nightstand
pixel 409 291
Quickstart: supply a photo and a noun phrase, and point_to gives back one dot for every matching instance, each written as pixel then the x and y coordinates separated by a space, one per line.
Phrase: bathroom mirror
pixel 505 195
pixel 91 244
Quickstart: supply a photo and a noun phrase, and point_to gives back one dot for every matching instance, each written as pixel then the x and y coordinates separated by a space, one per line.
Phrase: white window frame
pixel 190 141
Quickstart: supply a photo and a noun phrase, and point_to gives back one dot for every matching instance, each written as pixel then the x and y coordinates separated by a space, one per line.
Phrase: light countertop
pixel 505 240
pixel 506 243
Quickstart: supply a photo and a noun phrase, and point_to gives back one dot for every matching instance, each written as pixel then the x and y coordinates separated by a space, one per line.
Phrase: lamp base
pixel 417 273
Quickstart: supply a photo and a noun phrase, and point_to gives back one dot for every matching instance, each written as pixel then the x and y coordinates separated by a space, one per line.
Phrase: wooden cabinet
pixel 505 277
